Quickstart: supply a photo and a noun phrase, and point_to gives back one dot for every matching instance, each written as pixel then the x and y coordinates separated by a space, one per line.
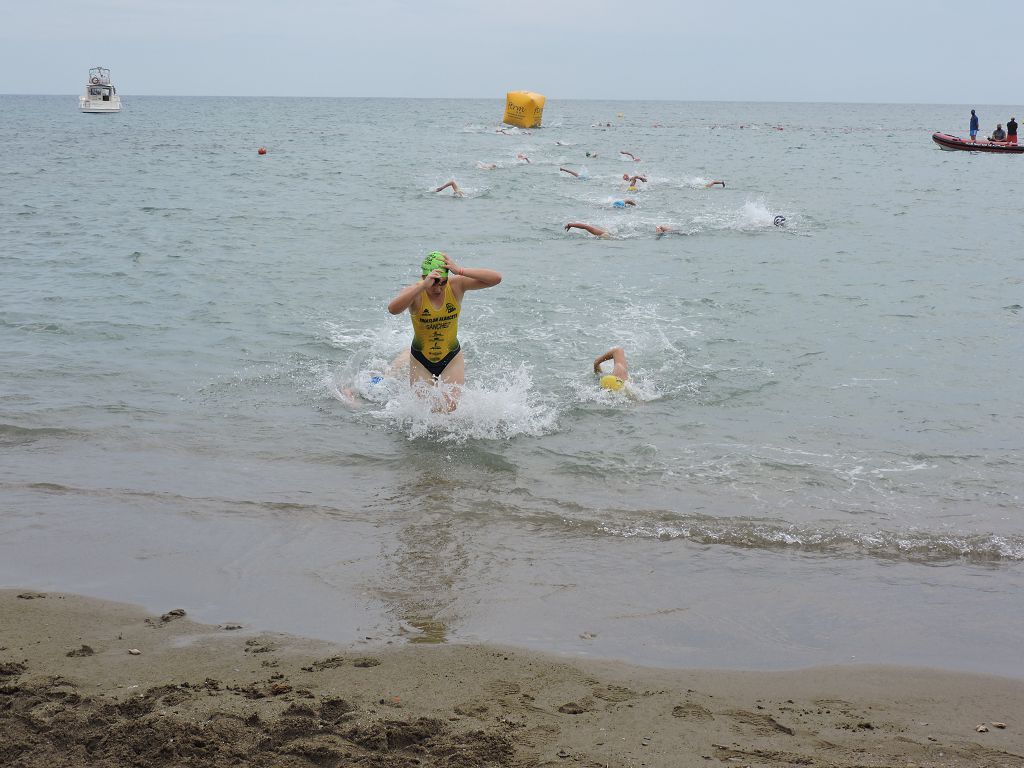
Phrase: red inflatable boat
pixel 945 141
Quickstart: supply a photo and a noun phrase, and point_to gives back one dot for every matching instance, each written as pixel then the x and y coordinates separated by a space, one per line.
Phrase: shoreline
pixel 196 694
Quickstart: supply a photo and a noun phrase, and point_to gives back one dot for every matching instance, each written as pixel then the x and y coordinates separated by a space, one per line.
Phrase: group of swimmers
pixel 660 229
pixel 435 302
pixel 632 181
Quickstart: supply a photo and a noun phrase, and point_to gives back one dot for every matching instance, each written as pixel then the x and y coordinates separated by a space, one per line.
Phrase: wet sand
pixel 73 693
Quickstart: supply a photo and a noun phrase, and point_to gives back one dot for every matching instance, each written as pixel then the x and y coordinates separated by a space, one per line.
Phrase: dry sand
pixel 72 694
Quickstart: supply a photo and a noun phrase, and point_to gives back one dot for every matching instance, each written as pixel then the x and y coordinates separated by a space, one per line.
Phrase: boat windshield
pixel 99 76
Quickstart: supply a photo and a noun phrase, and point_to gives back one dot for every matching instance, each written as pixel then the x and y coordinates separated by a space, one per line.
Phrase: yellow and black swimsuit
pixel 435 341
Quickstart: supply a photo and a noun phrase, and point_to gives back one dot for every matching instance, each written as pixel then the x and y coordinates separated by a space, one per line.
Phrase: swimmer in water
pixel 630 155
pixel 523 157
pixel 779 221
pixel 456 192
pixel 591 154
pixel 623 203
pixel 715 183
pixel 616 380
pixel 486 166
pixel 663 229
pixel 604 234
pixel 634 179
pixel 581 174
pixel 434 304
pixel 350 396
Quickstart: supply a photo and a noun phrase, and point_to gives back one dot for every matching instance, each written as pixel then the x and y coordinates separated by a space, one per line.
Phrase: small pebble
pixel 998 725
pixel 134 651
pixel 982 728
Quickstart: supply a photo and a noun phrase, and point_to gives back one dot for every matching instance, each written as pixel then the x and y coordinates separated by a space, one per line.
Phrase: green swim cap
pixel 434 260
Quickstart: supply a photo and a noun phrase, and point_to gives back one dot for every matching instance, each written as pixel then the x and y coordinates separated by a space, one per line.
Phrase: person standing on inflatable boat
pixel 434 303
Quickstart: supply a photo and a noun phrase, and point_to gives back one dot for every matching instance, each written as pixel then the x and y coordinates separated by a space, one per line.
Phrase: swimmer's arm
pixel 471 279
pixel 408 295
pixel 618 354
pixel 596 231
pixel 474 279
pixel 571 173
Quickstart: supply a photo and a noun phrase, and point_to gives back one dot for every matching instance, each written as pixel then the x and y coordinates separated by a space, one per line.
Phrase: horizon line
pixel 499 99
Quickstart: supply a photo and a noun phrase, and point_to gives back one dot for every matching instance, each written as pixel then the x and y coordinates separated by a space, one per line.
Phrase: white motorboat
pixel 100 94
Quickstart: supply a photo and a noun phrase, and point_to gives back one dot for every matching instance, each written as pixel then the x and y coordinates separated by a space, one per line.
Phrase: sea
pixel 818 459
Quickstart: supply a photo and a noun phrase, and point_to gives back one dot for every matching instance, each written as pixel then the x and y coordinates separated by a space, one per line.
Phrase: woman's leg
pixel 454 375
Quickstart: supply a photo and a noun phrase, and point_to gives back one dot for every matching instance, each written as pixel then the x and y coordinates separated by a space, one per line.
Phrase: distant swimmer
pixel 523 157
pixel 595 231
pixel 634 179
pixel 623 203
pixel 377 378
pixel 630 155
pixel 486 166
pixel 456 192
pixel 581 174
pixel 591 154
pixel 715 183
pixel 664 229
pixel 780 221
pixel 434 304
pixel 615 380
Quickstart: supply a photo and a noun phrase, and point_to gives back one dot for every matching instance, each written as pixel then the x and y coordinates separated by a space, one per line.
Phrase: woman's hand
pixel 452 266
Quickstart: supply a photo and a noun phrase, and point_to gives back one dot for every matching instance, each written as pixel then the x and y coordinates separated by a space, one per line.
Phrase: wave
pixel 910 545
pixel 11 434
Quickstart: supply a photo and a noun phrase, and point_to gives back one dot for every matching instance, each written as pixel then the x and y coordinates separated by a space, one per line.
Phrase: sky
pixel 940 52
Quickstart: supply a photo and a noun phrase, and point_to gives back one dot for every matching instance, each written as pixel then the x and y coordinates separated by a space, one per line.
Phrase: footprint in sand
pixel 693 712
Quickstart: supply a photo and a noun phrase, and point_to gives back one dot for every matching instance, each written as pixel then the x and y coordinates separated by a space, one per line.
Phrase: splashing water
pixel 497 408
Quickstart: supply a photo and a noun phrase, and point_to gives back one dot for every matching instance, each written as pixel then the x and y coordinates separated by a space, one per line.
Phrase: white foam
pixel 752 216
pixel 491 407
pixel 695 182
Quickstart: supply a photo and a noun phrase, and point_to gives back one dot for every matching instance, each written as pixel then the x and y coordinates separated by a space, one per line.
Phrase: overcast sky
pixel 725 50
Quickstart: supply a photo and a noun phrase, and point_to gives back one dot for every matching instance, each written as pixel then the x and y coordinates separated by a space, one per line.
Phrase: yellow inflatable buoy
pixel 524 109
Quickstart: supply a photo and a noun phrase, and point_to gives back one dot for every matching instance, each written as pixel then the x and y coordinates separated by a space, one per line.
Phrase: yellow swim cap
pixel 614 383
pixel 632 189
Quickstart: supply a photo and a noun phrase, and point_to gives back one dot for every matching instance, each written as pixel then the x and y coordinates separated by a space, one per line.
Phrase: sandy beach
pixel 88 682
